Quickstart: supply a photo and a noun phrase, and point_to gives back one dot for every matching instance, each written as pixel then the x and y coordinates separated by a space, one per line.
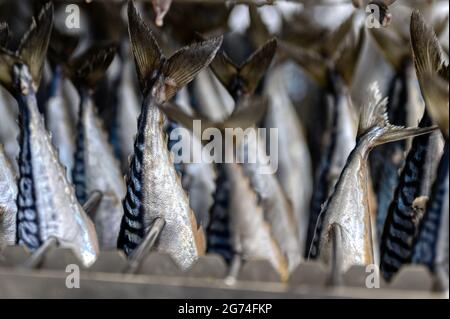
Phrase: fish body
pixel 46 201
pixel 278 211
pixel 154 190
pixel 402 220
pixel 294 160
pixel 431 244
pixel 102 173
pixel 59 123
pixel 8 206
pixel 251 235
pixel 9 129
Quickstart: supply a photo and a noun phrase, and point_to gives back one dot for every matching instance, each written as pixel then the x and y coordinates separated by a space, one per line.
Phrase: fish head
pixel 22 78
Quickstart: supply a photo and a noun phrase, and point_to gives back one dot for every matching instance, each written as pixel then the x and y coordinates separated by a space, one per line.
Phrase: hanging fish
pixel 346 213
pixel 331 65
pixel 8 206
pixel 403 218
pixel 430 246
pixel 58 118
pixel 95 166
pixel 153 186
pixel 252 236
pixel 387 160
pixel 294 160
pixel 46 202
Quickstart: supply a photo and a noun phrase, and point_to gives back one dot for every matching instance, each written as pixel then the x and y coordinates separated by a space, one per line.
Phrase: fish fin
pixel 335 38
pixel 33 45
pixel 348 57
pixel 249 111
pixel 147 54
pixel 4 34
pixel 432 70
pixel 253 69
pixel 309 60
pixel 427 52
pixel 61 47
pixel 436 94
pixel 374 114
pixel 92 203
pixel 258 30
pixel 198 233
pixel 90 67
pixel 186 63
pixel 7 60
pixel 391 46
pixel 224 69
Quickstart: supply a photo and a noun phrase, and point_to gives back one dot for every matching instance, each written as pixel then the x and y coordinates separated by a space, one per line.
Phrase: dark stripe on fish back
pixel 425 246
pixel 27 231
pixel 321 189
pixel 79 167
pixel 132 228
pixel 218 231
pixel 401 221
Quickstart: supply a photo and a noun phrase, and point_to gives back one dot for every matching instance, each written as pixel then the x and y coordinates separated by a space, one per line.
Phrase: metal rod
pixel 136 258
pixel 235 267
pixel 91 205
pixel 336 257
pixel 35 260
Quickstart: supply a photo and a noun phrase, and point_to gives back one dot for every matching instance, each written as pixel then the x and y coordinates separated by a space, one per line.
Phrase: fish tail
pixel 61 47
pixel 244 79
pixel 31 51
pixel 90 67
pixel 374 118
pixel 432 70
pixel 34 44
pixel 4 34
pixel 176 71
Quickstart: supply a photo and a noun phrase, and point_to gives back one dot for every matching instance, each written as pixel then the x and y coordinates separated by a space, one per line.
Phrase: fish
pixel 128 112
pixel 331 65
pixel 46 202
pixel 347 212
pixel 242 230
pixel 241 81
pixel 402 219
pixel 294 160
pixel 387 160
pixel 56 111
pixel 9 129
pixel 95 166
pixel 153 186
pixel 251 235
pixel 430 246
pixel 8 206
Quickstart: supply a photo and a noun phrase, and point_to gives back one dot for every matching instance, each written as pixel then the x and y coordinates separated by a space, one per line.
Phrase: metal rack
pixel 159 277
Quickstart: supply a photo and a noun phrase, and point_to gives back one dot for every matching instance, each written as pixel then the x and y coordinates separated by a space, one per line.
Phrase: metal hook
pixel 136 258
pixel 36 258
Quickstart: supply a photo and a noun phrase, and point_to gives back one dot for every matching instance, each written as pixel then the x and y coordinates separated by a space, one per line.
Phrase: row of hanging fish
pixel 361 117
